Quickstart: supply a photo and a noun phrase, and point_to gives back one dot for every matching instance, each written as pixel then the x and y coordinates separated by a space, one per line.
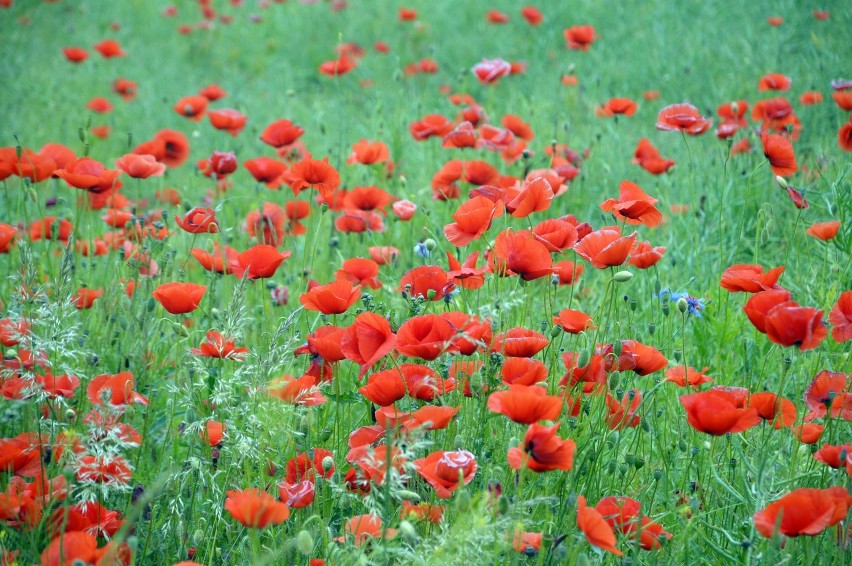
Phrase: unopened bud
pixel 431 294
pixel 682 305
pixel 430 244
pixel 782 182
pixel 327 464
pixel 622 276
pixel 305 542
pixel 463 501
pixel 583 359
pixel 555 331
pixel 408 532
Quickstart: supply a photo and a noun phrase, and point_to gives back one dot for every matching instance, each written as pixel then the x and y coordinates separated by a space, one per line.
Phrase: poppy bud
pixel 327 464
pixel 408 532
pixel 179 329
pixel 502 505
pixel 616 348
pixel 555 331
pixel 622 276
pixel 682 305
pixel 782 182
pixel 198 536
pixel 305 542
pixel 430 244
pixel 431 294
pixel 215 313
pixel 611 467
pixel 70 415
pixel 583 359
pixel 463 501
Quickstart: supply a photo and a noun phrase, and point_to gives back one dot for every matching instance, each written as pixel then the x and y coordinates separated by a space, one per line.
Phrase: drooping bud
pixel 622 276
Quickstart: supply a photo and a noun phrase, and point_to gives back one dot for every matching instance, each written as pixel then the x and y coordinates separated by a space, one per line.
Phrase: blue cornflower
pixel 421 249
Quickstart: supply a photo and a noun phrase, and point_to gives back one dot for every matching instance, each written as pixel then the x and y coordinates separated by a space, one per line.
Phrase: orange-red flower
pixel 140 166
pixel 605 247
pixel 519 342
pixel 579 37
pixel 526 404
pixel 85 298
pixel 333 298
pixel 179 298
pixel 367 340
pixel 750 278
pixel 86 173
pixel 385 387
pixel 643 255
pixel 109 48
pixel 258 262
pixel 774 409
pixel 338 67
pixel 302 391
pixel 281 133
pixel 117 390
pixel 774 81
pixel 516 253
pixel 633 206
pixel 789 324
pixel 193 107
pixel 170 147
pixel 779 151
pixel 217 346
pixel 542 450
pixel 682 118
pixel 369 152
pixel 844 136
pixel 447 471
pixel 687 376
pixel 362 528
pixel 216 261
pixel 617 106
pixel 823 230
pixel 75 54
pixel 255 508
pixel 489 71
pixel 315 173
pixel 573 321
pixel 597 531
pixel 804 511
pixel 716 412
pixel 427 282
pixel 426 337
pixel 199 221
pixel 840 318
pixel 472 219
pixel 534 196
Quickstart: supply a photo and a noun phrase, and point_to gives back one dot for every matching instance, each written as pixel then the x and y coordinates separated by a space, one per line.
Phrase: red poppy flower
pixel 687 376
pixel 580 37
pixel 472 219
pixel 427 281
pixel 844 136
pixel 333 298
pixel 424 383
pixel 258 262
pixel 422 512
pixel 85 298
pixel 281 133
pixel 526 404
pixel 199 221
pixel 303 391
pixel 804 511
pixel 774 409
pixel 86 173
pixel 573 321
pixel 523 371
pixel 622 414
pixel 462 136
pixel 535 196
pixel 383 255
pixel 840 318
pixel 750 278
pixel 126 89
pixel 716 412
pixel 367 340
pixel 228 119
pixel 838 456
pixel 212 92
pixel 567 272
pixel 51 228
pixel 314 173
pixel 426 337
pixel 170 147
pixel 811 97
pixel 296 495
pixel 430 125
pixel 472 333
pixel 431 417
pixel 117 390
pixel 217 346
pixel 633 206
pixel 75 54
pixel 447 471
pixel 759 305
pixel 516 253
pixel 100 105
pixel 140 166
pixel 58 385
pixel 605 247
pixel 80 547
pixel 497 17
pixel 255 508
pixel 643 255
pixel 360 271
pixel 828 392
pixel 213 432
pixel 597 531
pixel 369 152
pixel 823 230
pixel 385 387
pixel 682 118
pixel 532 15
pixel 193 107
pixel 338 67
pixel 519 342
pixel 779 151
pixel 792 325
pixel 109 48
pixel 542 450
pixel 774 81
pixel 808 433
pixel 362 528
pixel 489 71
pixel 216 261
pixel 179 298
pixel 616 106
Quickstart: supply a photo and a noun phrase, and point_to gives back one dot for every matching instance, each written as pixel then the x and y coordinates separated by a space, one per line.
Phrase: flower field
pixel 329 282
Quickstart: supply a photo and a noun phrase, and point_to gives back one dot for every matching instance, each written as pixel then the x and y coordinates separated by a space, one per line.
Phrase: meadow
pixel 330 282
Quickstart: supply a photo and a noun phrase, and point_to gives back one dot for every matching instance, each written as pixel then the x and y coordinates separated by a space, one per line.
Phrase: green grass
pixel 703 490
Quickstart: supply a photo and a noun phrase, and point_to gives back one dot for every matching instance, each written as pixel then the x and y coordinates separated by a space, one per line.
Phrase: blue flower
pixel 421 249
